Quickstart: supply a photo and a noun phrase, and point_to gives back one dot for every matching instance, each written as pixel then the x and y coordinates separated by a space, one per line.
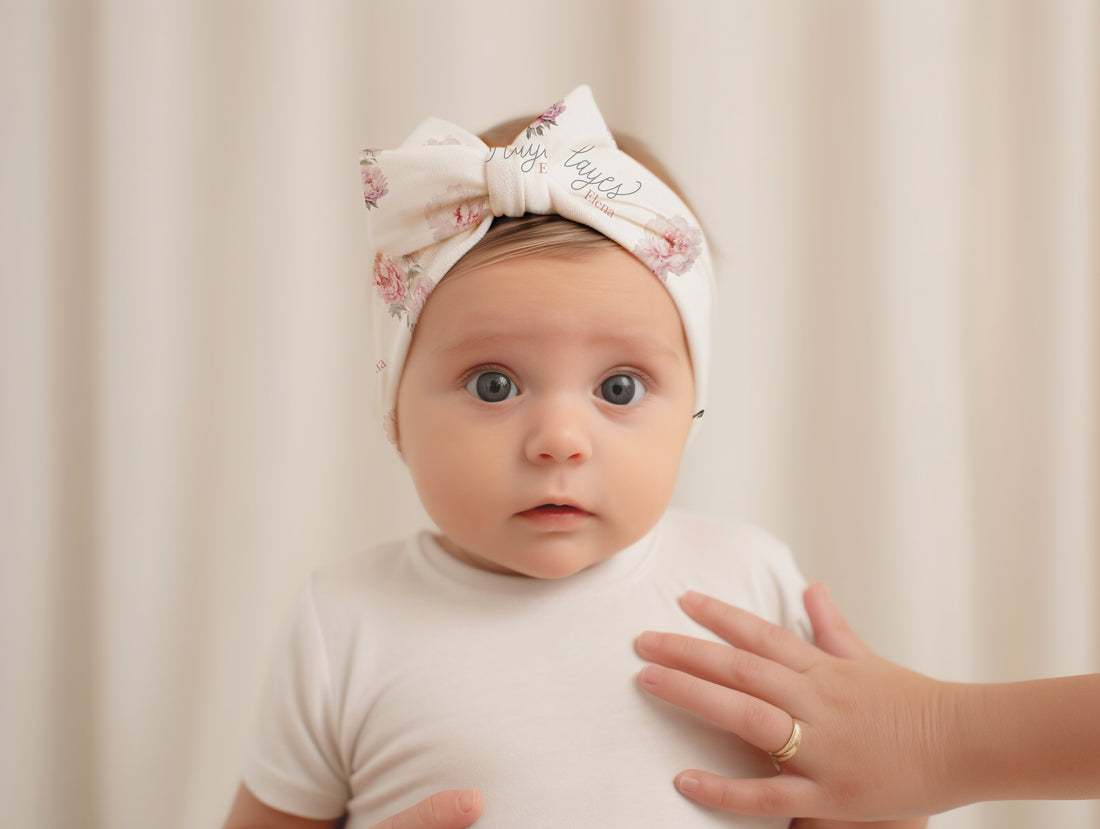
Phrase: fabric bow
pixel 433 198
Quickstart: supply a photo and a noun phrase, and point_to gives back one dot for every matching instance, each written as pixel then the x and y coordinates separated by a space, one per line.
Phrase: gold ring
pixel 790 748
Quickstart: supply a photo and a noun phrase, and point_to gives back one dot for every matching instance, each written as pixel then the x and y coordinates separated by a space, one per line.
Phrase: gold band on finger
pixel 789 749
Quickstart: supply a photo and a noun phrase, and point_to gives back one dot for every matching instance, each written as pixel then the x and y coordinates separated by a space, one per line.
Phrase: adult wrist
pixel 967 774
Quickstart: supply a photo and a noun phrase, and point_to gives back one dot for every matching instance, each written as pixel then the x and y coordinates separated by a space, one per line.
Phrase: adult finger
pixel 749 632
pixel 723 665
pixel 781 795
pixel 830 628
pixel 455 809
pixel 753 720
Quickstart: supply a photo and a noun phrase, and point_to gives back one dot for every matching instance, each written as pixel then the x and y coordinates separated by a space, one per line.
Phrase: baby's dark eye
pixel 491 386
pixel 622 390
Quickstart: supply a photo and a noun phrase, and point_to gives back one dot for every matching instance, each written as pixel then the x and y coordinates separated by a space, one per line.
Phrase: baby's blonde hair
pixel 548 235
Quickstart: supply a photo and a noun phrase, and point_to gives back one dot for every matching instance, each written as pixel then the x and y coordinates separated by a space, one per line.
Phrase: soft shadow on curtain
pixel 905 198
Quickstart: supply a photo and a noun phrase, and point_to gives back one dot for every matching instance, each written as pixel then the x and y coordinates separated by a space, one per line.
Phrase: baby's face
pixel 544 408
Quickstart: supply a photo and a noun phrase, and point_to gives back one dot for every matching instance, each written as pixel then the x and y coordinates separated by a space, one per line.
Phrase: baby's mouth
pixel 552 510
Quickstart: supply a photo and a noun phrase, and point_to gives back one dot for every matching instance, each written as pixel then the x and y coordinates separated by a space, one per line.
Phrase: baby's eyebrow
pixel 641 341
pixel 473 342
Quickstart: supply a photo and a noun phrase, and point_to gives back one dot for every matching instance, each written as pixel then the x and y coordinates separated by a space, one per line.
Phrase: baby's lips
pixel 557 504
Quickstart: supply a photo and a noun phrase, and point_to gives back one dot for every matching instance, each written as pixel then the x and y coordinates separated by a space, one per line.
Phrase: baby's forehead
pixel 547 282
pixel 610 293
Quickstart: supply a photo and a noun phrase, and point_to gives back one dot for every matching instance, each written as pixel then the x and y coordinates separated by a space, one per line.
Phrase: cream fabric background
pixel 905 196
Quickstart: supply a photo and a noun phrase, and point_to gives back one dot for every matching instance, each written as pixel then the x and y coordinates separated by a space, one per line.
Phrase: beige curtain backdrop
pixel 906 200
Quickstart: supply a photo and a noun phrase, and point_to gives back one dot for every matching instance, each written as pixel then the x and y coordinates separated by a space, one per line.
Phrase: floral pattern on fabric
pixel 671 246
pixel 402 286
pixel 546 120
pixel 375 185
pixel 458 208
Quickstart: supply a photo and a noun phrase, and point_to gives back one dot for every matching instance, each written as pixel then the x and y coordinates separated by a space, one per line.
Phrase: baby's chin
pixel 548 558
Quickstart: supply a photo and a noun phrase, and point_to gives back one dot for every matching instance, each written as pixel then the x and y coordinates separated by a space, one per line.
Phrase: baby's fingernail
pixel 466 801
pixel 692 599
pixel 687 784
pixel 648 641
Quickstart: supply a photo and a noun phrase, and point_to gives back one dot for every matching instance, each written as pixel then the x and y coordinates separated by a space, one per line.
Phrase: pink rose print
pixel 457 209
pixel 546 120
pixel 671 246
pixel 402 286
pixel 389 279
pixel 374 185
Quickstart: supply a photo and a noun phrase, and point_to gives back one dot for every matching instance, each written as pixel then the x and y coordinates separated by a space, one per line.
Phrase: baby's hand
pixel 443 810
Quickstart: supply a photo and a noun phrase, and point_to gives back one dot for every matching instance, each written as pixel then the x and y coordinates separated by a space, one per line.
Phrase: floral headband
pixel 433 198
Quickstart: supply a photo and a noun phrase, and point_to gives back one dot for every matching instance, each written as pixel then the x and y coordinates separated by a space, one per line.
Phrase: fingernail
pixel 466 801
pixel 692 599
pixel 648 641
pixel 650 675
pixel 687 784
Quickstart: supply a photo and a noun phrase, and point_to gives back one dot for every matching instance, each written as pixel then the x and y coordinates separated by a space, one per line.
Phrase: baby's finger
pixel 725 665
pixel 753 720
pixel 751 633
pixel 781 795
pixel 455 809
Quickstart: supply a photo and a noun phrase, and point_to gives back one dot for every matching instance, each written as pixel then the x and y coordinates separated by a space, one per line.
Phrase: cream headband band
pixel 433 198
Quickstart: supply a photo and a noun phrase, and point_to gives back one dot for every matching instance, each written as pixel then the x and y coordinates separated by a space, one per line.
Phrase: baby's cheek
pixel 650 477
pixel 466 478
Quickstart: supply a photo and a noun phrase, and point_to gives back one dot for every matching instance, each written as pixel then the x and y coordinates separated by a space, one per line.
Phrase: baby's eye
pixel 622 390
pixel 492 387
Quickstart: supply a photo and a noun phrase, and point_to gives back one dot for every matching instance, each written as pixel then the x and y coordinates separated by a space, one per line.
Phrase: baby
pixel 544 312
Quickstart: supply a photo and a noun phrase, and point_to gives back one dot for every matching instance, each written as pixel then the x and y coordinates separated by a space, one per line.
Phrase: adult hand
pixel 454 809
pixel 870 729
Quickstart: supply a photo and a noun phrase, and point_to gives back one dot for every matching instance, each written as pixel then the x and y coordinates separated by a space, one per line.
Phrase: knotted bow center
pixel 518 179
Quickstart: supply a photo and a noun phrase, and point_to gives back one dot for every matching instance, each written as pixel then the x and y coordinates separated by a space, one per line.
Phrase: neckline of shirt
pixel 624 567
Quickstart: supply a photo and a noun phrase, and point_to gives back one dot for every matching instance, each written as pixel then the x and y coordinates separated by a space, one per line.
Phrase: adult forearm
pixel 1026 740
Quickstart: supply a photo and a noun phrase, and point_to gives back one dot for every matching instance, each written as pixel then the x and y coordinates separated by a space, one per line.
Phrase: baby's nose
pixel 559 434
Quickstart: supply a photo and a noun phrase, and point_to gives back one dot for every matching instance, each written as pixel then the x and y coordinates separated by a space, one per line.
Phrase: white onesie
pixel 406 672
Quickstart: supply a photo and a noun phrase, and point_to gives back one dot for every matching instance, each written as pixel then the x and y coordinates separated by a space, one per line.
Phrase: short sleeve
pixel 293 762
